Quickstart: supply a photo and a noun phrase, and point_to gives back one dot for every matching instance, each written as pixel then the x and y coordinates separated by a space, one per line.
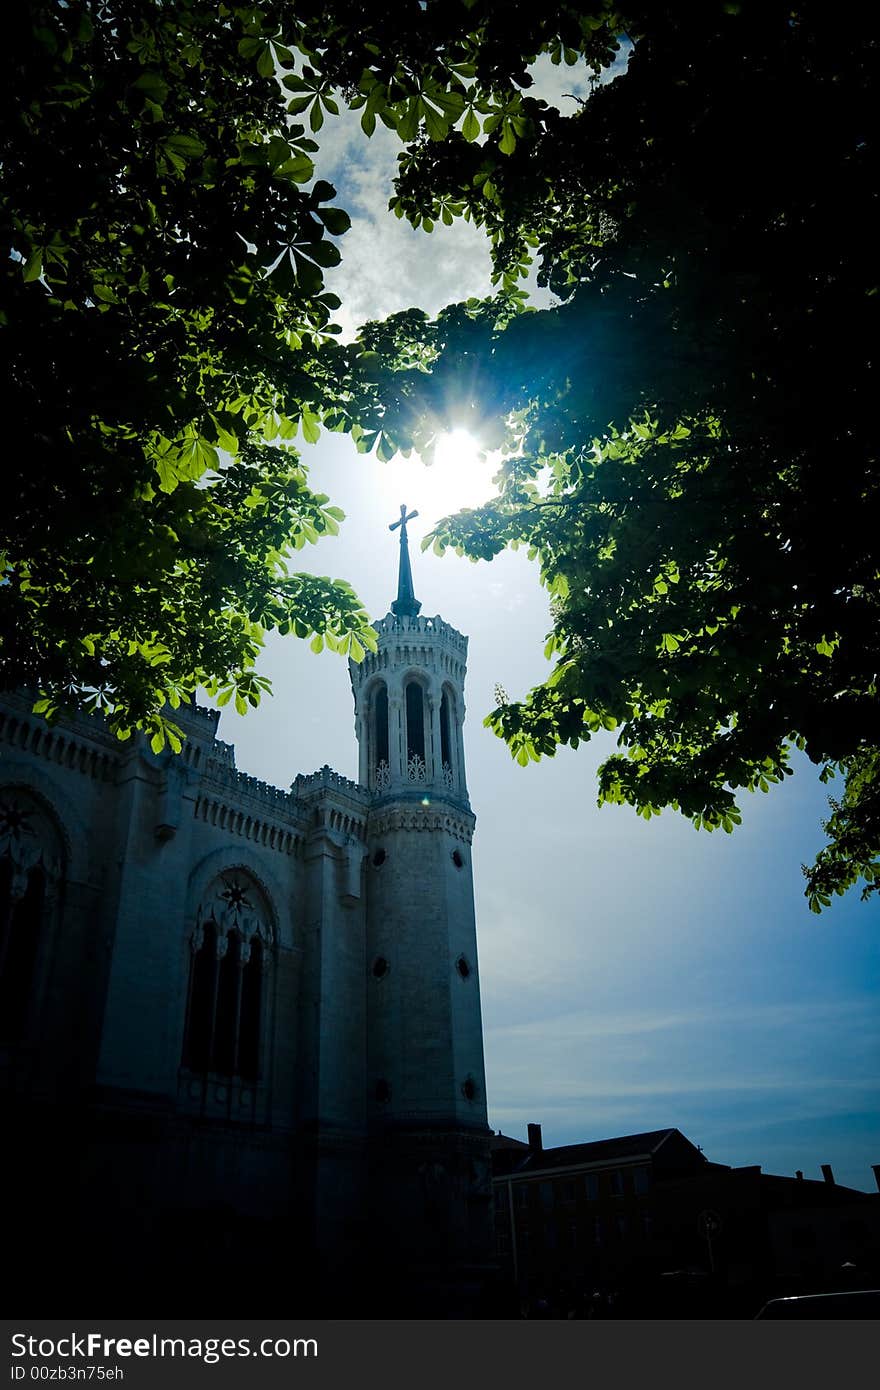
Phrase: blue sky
pixel 634 975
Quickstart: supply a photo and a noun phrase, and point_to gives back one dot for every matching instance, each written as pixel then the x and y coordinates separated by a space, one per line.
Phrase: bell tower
pixel 409 699
pixel 426 1087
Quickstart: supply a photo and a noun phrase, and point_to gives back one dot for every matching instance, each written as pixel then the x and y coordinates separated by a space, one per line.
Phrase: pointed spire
pixel 406 605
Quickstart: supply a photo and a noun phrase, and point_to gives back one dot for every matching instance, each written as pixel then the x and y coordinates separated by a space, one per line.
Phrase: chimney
pixel 875 1169
pixel 827 1173
pixel 799 1175
pixel 536 1143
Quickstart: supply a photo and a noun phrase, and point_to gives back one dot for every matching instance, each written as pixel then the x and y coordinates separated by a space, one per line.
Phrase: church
pixel 240 1024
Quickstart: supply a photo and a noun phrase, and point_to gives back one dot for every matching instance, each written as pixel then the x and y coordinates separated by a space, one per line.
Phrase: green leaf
pixel 265 62
pixel 507 143
pixel 188 146
pixel 436 125
pixel 299 169
pixel 337 222
pixel 470 128
pixel 324 252
pixel 33 266
pixel 153 85
pixel 408 121
pixel 311 427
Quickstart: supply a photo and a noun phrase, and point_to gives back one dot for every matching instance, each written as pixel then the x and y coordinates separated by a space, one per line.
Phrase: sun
pixel 460 475
pixel 456 450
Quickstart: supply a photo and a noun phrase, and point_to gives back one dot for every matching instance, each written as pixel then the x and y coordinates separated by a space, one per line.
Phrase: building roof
pixel 504 1141
pixel 507 1154
pixel 625 1147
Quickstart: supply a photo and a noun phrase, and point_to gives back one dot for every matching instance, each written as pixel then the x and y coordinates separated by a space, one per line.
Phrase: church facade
pixel 232 1015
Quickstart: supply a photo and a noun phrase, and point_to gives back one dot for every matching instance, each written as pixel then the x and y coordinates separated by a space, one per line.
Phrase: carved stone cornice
pixel 413 816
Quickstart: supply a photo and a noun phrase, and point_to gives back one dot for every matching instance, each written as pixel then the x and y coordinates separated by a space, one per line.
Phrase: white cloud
pixel 386 265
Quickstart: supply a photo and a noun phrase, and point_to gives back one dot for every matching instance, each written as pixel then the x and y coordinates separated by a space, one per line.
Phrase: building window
pixel 380 728
pixel 546 1191
pixel 617 1182
pixel 647 1225
pixel 227 969
pixel 445 731
pixel 251 1001
pixel 31 871
pixel 598 1231
pixel 642 1179
pixel 500 1199
pixel 622 1228
pixel 502 1242
pixel 566 1191
pixel 415 728
pixel 591 1183
pixel 522 1196
pixel 21 918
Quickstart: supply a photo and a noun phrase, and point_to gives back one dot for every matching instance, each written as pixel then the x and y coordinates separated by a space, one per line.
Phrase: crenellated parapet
pixel 82 744
pixel 408 628
pixel 306 785
pixel 333 802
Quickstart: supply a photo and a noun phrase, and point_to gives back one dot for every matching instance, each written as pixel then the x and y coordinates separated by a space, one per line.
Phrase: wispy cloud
pixel 386 265
pixel 721 1074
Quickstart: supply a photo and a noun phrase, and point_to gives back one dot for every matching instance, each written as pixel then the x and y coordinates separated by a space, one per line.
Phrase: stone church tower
pixel 424 1034
pixel 236 1019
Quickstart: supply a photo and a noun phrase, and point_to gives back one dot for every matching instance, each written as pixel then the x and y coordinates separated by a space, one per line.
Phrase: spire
pixel 406 605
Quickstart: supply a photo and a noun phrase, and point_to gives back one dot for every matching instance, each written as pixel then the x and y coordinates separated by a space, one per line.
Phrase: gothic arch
pixel 228 860
pixel 417 725
pixel 231 947
pixel 377 726
pixel 19 776
pixel 33 868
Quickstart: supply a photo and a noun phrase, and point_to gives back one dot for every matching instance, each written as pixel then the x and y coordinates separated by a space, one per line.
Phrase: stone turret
pixel 426 1090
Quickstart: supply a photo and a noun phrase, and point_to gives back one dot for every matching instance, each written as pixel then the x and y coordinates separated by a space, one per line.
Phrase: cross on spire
pixel 406 605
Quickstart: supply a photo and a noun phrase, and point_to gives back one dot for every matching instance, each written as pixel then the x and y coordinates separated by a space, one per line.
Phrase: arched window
pixel 226 1000
pixel 415 731
pixel 22 920
pixel 445 731
pixel 380 734
pixel 30 872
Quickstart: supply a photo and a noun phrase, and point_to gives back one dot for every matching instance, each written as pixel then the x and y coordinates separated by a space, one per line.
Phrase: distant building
pixel 648 1221
pixel 240 1026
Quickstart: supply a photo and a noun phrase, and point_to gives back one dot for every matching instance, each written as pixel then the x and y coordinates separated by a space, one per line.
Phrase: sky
pixel 634 975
